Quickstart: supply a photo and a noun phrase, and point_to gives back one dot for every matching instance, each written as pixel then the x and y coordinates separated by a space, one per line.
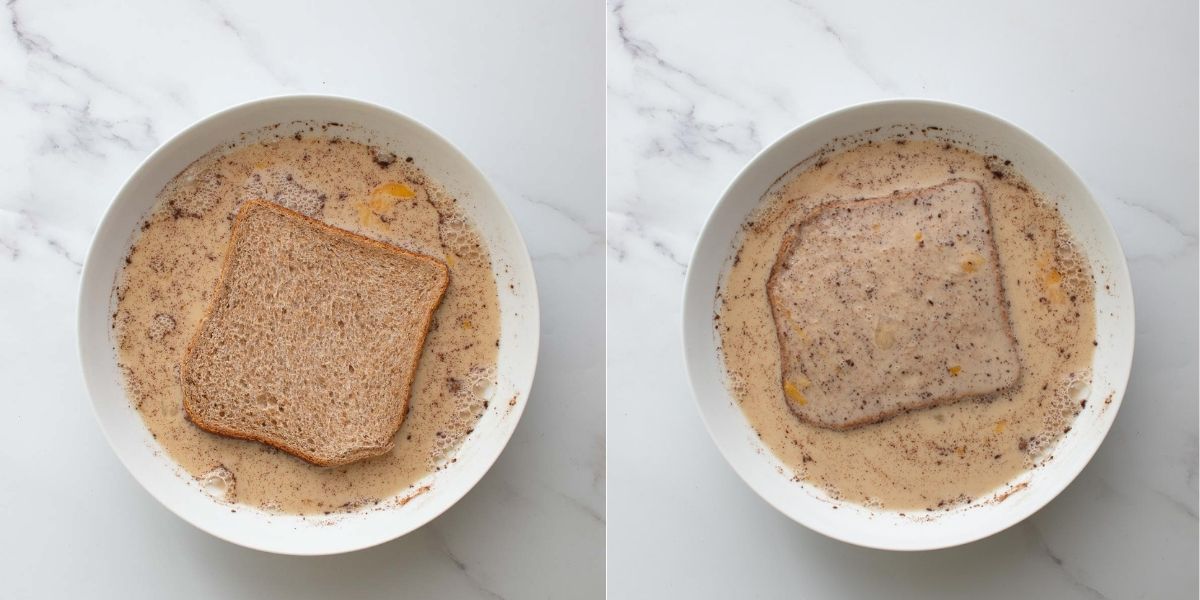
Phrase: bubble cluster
pixel 1066 403
pixel 382 157
pixel 1079 391
pixel 472 397
pixel 281 186
pixel 461 240
pixel 197 193
pixel 1076 275
pixel 162 325
pixel 1036 445
pixel 738 386
pixel 219 483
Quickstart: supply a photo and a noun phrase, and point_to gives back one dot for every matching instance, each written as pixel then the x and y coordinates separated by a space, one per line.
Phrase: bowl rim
pixel 689 310
pixel 87 272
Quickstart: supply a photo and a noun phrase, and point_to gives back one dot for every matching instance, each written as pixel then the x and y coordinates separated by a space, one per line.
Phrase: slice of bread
pixel 891 304
pixel 312 338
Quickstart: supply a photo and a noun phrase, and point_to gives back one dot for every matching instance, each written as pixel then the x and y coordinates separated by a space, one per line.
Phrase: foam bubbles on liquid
pixel 738 385
pixel 462 241
pixel 1065 404
pixel 280 185
pixel 196 194
pixel 1079 391
pixel 478 389
pixel 1072 267
pixel 219 483
pixel 162 325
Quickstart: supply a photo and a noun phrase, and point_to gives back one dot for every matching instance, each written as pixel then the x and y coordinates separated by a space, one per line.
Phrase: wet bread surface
pixel 948 454
pixel 891 304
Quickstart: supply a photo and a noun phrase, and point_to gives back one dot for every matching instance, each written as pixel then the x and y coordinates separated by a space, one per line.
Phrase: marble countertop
pixel 87 91
pixel 695 89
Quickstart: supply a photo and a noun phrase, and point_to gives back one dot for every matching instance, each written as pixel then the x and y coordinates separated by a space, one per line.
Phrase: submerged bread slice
pixel 312 338
pixel 891 304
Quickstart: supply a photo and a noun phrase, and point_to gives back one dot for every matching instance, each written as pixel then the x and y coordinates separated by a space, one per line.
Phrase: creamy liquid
pixel 165 287
pixel 938 457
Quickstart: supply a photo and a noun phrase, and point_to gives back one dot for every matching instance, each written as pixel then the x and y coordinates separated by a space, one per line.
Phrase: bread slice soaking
pixel 891 304
pixel 312 337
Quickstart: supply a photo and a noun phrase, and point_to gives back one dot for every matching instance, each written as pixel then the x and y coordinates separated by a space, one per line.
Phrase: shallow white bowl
pixel 874 527
pixel 288 534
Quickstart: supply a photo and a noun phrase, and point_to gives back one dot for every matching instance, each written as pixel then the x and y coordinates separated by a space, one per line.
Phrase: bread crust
pixel 244 212
pixel 785 248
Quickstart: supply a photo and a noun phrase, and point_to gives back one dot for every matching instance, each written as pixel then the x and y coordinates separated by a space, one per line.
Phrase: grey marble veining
pixel 87 90
pixel 695 89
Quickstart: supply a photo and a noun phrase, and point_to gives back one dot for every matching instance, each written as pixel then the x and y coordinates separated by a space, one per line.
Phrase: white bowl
pixel 288 534
pixel 883 529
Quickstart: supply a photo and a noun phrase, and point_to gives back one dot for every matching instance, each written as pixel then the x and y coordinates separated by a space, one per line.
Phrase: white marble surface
pixel 87 91
pixel 695 89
